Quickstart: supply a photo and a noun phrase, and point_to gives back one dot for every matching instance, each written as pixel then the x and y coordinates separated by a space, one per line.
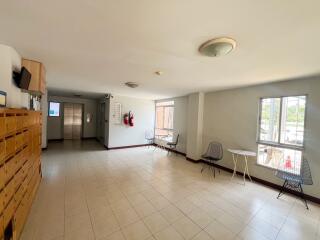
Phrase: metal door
pixel 72 121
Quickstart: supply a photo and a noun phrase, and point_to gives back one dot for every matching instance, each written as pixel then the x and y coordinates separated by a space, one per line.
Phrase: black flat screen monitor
pixel 25 77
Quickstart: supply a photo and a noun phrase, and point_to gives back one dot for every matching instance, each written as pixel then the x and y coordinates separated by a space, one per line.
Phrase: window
pixel 54 109
pixel 281 132
pixel 164 120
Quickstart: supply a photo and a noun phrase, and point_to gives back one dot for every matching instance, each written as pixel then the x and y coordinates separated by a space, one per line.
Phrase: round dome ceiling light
pixel 217 47
pixel 131 84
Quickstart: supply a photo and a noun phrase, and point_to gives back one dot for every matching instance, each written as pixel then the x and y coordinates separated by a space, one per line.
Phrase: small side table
pixel 235 154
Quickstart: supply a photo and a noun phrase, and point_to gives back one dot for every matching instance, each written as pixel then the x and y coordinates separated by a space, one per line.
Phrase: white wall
pixel 10 60
pixel 55 124
pixel 144 115
pixel 231 118
pixel 106 122
pixel 180 118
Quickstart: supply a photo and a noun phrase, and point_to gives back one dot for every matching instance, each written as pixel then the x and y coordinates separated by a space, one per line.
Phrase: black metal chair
pixel 172 146
pixel 295 181
pixel 213 154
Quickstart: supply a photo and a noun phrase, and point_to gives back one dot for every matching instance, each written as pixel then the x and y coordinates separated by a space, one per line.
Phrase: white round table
pixel 235 154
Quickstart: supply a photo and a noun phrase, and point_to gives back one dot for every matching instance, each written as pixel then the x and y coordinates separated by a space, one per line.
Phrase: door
pixel 77 121
pixel 101 122
pixel 72 123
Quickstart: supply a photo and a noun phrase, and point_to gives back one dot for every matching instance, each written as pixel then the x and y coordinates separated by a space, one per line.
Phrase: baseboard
pixel 192 160
pixel 56 140
pixel 129 146
pixel 169 149
pixel 61 139
pixel 88 138
pixel 259 180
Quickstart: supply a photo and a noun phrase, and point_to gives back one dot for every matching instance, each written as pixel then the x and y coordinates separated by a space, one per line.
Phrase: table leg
pixel 164 145
pixel 247 168
pixel 235 159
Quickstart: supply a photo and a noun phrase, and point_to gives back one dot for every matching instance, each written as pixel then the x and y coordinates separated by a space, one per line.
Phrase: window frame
pixel 278 143
pixel 49 108
pixel 170 105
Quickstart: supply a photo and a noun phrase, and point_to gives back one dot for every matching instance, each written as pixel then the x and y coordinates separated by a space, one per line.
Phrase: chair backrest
pixel 305 173
pixel 149 134
pixel 214 150
pixel 304 177
pixel 176 140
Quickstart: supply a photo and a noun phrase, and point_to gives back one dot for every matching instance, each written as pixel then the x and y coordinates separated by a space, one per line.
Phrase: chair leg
pixel 203 167
pixel 302 196
pixel 282 188
pixel 214 172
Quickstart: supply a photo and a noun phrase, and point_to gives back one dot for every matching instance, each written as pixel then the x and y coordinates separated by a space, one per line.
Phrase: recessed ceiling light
pixel 131 84
pixel 217 47
pixel 158 73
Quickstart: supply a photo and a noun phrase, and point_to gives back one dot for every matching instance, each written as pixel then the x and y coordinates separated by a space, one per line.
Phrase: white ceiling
pixel 96 46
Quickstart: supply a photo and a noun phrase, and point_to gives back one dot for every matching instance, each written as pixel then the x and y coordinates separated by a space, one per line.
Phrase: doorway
pixel 101 122
pixel 72 123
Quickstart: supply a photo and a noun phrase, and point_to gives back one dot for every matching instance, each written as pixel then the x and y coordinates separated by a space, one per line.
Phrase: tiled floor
pixel 136 194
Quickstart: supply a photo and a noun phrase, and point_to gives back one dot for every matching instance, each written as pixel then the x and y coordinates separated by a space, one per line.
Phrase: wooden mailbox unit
pixel 20 167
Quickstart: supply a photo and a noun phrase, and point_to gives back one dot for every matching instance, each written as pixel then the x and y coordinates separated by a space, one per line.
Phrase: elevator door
pixel 72 121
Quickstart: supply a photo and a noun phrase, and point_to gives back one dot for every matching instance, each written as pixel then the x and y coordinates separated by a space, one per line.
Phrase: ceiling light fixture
pixel 158 73
pixel 131 84
pixel 217 47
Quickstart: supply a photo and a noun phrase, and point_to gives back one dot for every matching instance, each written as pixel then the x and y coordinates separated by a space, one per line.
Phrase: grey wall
pixel 231 118
pixel 55 124
pixel 103 121
pixel 44 109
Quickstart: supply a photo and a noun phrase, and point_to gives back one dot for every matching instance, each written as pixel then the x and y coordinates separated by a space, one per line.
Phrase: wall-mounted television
pixel 23 78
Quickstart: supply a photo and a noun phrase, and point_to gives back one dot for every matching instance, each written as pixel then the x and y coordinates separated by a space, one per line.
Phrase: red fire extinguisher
pixel 131 119
pixel 288 164
pixel 126 119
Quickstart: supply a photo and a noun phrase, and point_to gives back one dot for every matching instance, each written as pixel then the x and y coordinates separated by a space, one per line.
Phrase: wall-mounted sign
pixel 116 113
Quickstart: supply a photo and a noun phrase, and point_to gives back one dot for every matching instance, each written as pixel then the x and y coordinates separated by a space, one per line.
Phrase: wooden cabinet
pixel 20 167
pixel 2 151
pixel 1 202
pixel 1 226
pixel 2 179
pixel 38 75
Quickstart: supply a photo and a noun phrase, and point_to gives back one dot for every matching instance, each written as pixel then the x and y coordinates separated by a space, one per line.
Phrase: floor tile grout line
pixel 126 162
pixel 89 212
